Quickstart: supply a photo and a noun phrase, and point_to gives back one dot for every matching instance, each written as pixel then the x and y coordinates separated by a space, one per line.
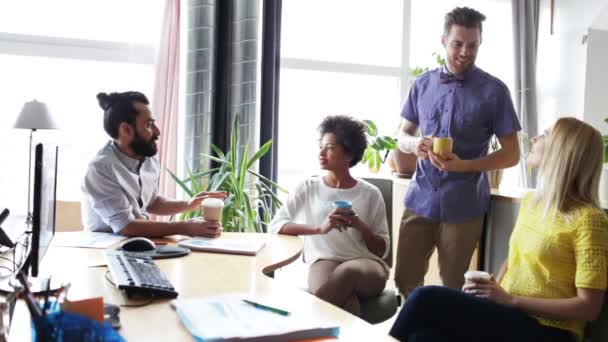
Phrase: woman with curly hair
pixel 344 247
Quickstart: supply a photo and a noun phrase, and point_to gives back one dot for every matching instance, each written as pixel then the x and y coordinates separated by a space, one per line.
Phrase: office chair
pixel 378 309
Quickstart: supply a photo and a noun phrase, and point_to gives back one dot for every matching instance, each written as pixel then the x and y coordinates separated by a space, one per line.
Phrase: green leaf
pixel 216 159
pixel 262 151
pixel 372 130
pixel 372 162
pixel 234 141
pixel 386 143
pixel 202 174
pixel 217 185
pixel 181 184
pixel 263 178
pixel 390 143
pixel 366 155
pixel 218 151
pixel 269 191
pixel 242 173
pixel 377 163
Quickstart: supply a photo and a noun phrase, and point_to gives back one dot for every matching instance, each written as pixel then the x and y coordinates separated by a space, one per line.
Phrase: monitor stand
pixel 37 285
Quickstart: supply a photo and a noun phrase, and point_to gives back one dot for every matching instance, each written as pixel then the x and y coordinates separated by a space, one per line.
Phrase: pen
pixel 266 307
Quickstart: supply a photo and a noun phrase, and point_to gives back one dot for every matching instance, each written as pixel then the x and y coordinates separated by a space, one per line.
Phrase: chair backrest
pixel 68 217
pixel 386 189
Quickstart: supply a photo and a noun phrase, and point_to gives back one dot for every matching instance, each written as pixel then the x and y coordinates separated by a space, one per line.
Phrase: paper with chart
pixel 86 239
pixel 230 318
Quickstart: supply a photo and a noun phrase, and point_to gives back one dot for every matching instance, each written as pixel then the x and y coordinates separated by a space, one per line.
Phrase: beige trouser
pixel 418 238
pixel 343 284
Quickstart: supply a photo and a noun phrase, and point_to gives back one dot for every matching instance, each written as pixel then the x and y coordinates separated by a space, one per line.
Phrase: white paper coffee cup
pixel 472 275
pixel 212 209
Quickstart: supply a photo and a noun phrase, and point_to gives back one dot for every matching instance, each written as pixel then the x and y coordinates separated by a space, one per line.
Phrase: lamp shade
pixel 35 115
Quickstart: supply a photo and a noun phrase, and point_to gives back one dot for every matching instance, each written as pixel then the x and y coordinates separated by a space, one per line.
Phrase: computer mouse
pixel 138 244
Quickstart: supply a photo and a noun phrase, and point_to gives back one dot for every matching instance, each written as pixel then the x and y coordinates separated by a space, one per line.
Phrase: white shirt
pixel 310 203
pixel 118 189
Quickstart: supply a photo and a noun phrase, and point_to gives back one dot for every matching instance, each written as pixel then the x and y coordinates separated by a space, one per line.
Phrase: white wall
pixel 562 59
pixel 596 97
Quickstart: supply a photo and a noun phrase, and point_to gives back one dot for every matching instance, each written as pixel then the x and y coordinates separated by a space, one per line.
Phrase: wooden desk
pixel 198 274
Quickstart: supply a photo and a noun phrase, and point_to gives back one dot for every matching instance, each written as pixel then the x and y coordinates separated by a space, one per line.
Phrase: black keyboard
pixel 138 275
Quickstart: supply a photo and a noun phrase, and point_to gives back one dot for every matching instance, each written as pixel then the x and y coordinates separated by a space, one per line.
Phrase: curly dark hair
pixel 118 108
pixel 463 16
pixel 349 132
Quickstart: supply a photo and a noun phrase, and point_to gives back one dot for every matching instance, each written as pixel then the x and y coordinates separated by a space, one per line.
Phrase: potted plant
pixel 251 196
pixel 378 147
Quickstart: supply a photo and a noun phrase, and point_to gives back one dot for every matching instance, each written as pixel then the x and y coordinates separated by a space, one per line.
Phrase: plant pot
pixel 494 178
pixel 604 186
pixel 404 163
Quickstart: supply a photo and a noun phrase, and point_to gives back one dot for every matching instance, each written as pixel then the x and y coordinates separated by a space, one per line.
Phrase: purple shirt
pixel 470 112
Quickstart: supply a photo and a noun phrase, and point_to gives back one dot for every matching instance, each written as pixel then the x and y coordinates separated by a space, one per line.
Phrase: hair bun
pixel 104 101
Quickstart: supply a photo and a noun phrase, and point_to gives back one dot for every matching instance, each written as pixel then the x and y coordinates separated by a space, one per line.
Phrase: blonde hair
pixel 571 167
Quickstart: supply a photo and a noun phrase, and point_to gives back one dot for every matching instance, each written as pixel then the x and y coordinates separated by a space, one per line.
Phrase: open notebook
pixel 246 246
pixel 230 318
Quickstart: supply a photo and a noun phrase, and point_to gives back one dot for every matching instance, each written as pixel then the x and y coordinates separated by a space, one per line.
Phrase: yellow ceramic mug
pixel 442 146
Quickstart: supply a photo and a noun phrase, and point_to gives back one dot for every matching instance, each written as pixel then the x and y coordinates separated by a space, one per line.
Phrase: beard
pixel 144 148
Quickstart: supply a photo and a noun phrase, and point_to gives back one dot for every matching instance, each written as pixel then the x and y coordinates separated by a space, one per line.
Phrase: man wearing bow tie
pixel 448 196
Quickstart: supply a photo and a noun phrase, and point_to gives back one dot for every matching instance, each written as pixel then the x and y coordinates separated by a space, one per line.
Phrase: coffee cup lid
pixel 342 204
pixel 213 202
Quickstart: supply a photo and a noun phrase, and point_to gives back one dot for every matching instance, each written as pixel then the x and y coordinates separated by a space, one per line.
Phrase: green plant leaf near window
pixel 378 147
pixel 251 197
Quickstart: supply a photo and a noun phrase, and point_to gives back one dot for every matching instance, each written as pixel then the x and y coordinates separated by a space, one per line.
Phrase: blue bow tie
pixel 445 77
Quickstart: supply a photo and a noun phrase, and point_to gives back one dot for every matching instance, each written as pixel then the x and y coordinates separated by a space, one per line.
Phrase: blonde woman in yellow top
pixel 554 279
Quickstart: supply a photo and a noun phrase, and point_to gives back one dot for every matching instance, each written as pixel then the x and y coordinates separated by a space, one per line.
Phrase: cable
pixel 108 279
pixel 138 305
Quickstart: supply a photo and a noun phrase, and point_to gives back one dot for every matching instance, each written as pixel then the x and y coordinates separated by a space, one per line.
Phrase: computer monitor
pixel 43 215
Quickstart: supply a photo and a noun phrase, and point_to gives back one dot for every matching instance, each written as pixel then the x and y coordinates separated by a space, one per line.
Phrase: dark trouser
pixel 435 313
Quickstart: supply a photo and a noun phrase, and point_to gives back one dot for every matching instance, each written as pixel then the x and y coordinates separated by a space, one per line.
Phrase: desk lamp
pixel 34 115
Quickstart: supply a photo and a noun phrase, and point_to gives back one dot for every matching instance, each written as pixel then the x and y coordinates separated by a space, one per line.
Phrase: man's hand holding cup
pixel 211 224
pixel 196 201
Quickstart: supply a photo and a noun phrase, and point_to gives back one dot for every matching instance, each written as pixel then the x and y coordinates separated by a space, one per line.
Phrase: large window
pixel 338 57
pixel 64 52
pixel 352 57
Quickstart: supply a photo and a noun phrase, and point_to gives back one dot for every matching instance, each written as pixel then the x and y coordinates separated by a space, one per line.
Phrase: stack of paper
pixel 224 245
pixel 231 318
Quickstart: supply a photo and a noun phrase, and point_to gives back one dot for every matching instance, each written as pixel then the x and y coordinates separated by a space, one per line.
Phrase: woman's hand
pixel 338 219
pixel 488 289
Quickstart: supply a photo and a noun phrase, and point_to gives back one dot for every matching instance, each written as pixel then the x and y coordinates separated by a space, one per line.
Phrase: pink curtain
pixel 165 97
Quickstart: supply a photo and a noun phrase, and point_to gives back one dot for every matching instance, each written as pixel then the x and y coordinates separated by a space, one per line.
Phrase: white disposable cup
pixel 472 275
pixel 212 209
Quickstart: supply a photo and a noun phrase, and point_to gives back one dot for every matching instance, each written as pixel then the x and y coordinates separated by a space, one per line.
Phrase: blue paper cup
pixel 342 204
